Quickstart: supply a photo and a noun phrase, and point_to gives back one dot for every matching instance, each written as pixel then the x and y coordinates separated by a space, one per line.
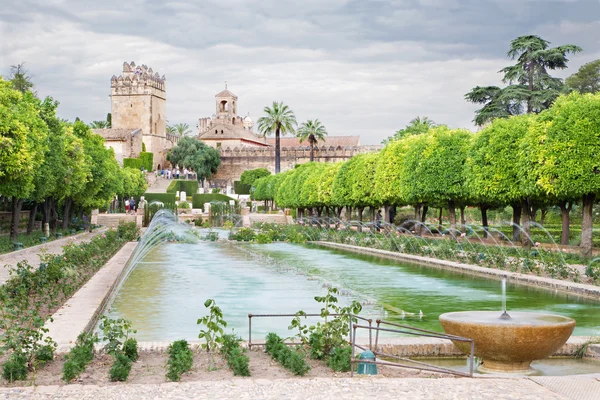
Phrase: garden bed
pixel 150 369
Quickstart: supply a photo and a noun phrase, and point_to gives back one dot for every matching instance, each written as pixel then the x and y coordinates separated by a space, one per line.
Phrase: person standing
pixel 378 218
pixel 177 171
pixel 132 205
pixel 127 206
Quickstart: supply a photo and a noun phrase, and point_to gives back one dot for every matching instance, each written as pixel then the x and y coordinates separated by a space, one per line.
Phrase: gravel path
pixel 32 254
pixel 318 388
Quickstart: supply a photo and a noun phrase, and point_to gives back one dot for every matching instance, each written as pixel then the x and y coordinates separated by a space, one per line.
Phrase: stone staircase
pixel 112 220
pixel 159 186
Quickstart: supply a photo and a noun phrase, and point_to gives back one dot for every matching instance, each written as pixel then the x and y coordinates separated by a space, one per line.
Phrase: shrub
pixel 147 160
pixel 15 369
pixel 198 221
pixel 135 163
pixel 180 360
pixel 294 360
pixel 79 356
pixel 116 332
pixel 263 238
pixel 240 188
pixel 236 356
pixel 119 372
pixel 339 359
pixel 199 199
pixel 168 199
pixel 130 349
pixel 243 234
pixel 184 205
pixel 190 187
pixel 44 354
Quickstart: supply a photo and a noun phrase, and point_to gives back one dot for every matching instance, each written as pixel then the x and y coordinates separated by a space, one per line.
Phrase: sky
pixel 362 67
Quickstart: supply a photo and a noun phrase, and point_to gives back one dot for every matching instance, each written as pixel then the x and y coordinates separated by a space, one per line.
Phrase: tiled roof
pixel 117 133
pixel 344 141
pixel 225 93
pixel 231 132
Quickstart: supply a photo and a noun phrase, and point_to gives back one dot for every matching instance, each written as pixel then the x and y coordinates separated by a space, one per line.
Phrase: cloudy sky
pixel 363 67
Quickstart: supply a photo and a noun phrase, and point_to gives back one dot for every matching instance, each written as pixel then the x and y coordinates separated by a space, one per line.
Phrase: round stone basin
pixel 508 345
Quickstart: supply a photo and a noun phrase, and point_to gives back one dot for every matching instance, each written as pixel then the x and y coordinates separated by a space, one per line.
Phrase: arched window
pixel 221 131
pixel 216 131
pixel 233 121
pixel 224 106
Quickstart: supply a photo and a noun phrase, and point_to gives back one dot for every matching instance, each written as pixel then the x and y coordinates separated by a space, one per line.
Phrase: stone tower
pixel 139 100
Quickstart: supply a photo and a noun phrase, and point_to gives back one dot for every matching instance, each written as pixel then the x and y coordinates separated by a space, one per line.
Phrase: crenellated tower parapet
pixel 140 80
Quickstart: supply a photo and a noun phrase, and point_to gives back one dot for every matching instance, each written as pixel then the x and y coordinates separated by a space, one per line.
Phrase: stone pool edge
pixel 81 312
pixel 568 287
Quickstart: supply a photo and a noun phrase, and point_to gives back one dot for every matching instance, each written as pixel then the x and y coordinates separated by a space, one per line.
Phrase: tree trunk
pixel 45 212
pixel 348 214
pixel 587 225
pixel 319 211
pixel 312 151
pixel 423 218
pixel 277 151
pixel 66 213
pixel 417 212
pixel 516 231
pixel 452 216
pixel 53 217
pixel 526 217
pixel 463 221
pixel 15 218
pixel 339 212
pixel 372 213
pixel 543 215
pixel 531 70
pixel 440 227
pixel 484 219
pixel 565 209
pixel 360 214
pixel 32 214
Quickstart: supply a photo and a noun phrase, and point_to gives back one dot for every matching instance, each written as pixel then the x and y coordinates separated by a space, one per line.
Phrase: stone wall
pixel 234 161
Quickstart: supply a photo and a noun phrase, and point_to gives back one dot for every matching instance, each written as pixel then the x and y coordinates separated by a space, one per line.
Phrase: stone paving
pixel 32 254
pixel 80 312
pixel 318 388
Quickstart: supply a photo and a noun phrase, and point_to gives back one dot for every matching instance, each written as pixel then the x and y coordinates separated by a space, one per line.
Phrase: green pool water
pixel 164 295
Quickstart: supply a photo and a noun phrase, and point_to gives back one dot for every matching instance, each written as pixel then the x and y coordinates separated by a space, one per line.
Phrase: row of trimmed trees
pixel 52 164
pixel 526 162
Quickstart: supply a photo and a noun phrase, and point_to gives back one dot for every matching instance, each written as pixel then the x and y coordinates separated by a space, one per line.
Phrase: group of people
pixel 175 173
pixel 130 206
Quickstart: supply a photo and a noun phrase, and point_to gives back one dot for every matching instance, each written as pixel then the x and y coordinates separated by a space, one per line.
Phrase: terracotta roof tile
pixel 335 141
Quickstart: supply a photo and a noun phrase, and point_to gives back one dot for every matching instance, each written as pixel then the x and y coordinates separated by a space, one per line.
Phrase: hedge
pixel 188 186
pixel 167 198
pixel 240 188
pixel 198 200
pixel 147 160
pixel 135 163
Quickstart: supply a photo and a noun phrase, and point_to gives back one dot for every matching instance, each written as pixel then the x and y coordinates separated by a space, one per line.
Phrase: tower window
pixel 221 131
pixel 218 144
pixel 216 131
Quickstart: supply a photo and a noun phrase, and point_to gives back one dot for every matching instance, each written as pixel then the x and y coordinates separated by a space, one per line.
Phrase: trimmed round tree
pixel 568 144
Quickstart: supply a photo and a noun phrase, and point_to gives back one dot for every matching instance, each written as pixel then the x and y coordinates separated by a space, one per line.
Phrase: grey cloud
pixel 362 67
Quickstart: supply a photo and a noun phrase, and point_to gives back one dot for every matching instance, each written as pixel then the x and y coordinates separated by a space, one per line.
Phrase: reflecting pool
pixel 164 295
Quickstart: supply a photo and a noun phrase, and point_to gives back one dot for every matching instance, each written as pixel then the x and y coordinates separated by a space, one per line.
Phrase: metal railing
pixel 405 329
pixel 352 317
pixel 412 364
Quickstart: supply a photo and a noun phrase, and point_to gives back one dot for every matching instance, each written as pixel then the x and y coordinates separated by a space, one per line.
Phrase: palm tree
pixel 99 124
pixel 279 119
pixel 171 130
pixel 182 129
pixel 314 131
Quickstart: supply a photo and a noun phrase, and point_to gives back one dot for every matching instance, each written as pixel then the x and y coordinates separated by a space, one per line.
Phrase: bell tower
pixel 226 104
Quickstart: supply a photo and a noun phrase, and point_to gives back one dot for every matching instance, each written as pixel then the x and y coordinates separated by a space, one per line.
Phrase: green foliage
pixel 116 332
pixel 133 183
pixel 530 84
pixel 130 349
pixel 214 324
pixel 44 354
pixel 279 120
pixel 134 163
pixel 168 199
pixel 147 160
pixel 180 360
pixel 236 356
pixel 294 360
pixel 15 368
pixel 312 131
pixel 198 200
pixel 240 188
pixel 324 336
pixel 119 372
pixel 243 235
pixel 143 147
pixel 193 154
pixel 250 176
pixel 587 79
pixel 339 359
pixel 190 187
pixel 79 356
pixel 416 126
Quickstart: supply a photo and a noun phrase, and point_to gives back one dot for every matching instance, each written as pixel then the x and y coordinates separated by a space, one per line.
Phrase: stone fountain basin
pixel 508 345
